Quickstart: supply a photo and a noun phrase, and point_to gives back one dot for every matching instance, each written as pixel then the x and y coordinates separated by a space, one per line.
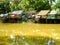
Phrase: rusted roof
pixel 43 12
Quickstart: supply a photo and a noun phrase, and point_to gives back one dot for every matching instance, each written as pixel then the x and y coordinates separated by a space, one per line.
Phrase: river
pixel 29 34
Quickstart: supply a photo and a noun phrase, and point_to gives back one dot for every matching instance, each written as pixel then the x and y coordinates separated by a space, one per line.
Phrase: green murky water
pixel 29 34
pixel 22 40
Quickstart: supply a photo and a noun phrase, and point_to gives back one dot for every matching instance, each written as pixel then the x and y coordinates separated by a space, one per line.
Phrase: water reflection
pixel 29 40
pixel 30 31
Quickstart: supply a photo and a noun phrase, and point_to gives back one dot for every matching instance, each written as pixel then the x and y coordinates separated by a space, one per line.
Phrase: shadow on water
pixel 28 40
pixel 49 21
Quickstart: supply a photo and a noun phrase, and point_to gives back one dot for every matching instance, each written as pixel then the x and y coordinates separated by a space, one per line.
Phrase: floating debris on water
pixel 26 43
pixel 11 36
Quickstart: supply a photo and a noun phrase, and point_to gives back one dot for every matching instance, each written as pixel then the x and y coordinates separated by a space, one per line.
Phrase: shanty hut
pixel 40 16
pixel 30 15
pixel 16 14
pixel 43 13
pixel 51 18
pixel 52 14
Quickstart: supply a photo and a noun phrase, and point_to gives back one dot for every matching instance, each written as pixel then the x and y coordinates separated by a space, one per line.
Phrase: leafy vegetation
pixel 58 5
pixel 26 5
pixel 4 7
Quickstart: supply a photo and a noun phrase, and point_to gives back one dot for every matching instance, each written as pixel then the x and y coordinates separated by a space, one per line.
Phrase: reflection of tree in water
pixel 22 40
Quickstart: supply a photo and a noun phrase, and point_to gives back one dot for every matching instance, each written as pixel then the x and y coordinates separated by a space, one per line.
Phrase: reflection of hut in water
pixel 43 14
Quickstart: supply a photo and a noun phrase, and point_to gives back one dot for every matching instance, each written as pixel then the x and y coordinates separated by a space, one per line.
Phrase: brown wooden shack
pixel 43 13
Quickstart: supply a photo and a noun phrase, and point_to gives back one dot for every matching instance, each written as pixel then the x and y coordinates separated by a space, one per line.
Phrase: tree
pixel 40 4
pixel 25 5
pixel 4 7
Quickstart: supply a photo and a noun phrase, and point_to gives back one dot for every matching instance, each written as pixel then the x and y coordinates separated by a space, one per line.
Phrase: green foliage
pixel 58 5
pixel 4 7
pixel 25 5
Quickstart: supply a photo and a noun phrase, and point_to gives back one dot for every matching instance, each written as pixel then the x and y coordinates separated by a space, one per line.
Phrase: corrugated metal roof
pixel 43 12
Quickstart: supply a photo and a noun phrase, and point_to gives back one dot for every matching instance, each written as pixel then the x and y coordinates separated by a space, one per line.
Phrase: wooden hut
pixel 52 16
pixel 41 16
pixel 43 13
